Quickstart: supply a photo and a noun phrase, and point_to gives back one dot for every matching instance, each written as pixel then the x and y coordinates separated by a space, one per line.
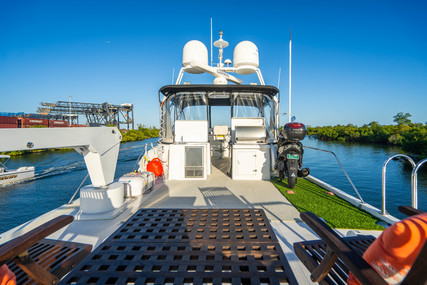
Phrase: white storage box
pixel 137 182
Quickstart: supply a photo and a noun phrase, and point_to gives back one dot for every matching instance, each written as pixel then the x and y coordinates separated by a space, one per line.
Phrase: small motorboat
pixel 13 175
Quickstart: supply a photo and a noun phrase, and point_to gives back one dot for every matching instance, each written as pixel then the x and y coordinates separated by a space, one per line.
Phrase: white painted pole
pixel 278 80
pixel 290 72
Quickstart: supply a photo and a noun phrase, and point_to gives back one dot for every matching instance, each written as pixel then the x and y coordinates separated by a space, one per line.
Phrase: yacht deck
pixel 220 191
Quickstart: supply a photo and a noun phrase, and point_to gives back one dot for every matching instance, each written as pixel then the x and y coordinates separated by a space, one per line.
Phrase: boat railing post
pixel 414 183
pixel 342 168
pixel 143 152
pixel 78 189
pixel 384 174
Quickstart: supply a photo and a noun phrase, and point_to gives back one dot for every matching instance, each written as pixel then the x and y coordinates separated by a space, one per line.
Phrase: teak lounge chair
pixel 35 259
pixel 330 259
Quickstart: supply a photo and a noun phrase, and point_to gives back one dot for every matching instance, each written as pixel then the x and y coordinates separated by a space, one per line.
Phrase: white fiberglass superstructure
pixel 231 126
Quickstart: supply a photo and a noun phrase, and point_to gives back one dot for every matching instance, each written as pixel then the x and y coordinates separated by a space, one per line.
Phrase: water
pixel 363 163
pixel 58 174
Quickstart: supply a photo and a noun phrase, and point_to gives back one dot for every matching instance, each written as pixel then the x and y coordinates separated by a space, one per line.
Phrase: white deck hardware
pixel 136 184
pixel 99 146
pixel 101 199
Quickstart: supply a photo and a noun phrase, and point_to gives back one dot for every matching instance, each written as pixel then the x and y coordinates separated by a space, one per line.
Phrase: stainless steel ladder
pixel 414 180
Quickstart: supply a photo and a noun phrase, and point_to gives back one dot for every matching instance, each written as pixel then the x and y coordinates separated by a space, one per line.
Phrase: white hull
pixel 16 175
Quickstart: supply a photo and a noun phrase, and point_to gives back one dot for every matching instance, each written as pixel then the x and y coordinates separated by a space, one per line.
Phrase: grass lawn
pixel 335 211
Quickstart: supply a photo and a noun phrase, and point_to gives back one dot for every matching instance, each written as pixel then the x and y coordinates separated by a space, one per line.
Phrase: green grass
pixel 337 212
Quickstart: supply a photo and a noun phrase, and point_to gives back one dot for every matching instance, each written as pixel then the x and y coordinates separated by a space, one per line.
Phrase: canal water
pixel 363 163
pixel 58 175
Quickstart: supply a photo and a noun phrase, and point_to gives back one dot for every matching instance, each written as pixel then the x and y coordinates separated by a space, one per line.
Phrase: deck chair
pixel 330 259
pixel 34 259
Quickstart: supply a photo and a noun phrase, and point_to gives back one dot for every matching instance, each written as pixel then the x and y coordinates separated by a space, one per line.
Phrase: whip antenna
pixel 211 45
pixel 290 78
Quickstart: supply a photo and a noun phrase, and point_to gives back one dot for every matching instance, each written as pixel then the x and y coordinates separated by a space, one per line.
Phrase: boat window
pixel 247 105
pixel 220 116
pixel 167 119
pixel 191 106
pixel 269 117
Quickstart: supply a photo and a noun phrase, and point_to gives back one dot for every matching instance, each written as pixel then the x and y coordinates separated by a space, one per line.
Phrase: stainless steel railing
pixel 342 168
pixel 414 180
pixel 414 183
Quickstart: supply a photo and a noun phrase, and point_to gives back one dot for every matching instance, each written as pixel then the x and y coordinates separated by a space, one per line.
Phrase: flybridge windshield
pixel 204 105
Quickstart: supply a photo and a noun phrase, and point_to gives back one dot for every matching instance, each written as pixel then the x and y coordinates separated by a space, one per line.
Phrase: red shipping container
pixel 7 120
pixel 57 124
pixel 7 126
pixel 29 122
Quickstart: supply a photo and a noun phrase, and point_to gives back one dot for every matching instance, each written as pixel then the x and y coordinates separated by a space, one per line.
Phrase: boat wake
pixel 58 170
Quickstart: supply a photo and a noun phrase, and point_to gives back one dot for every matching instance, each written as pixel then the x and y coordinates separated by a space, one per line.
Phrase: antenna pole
pixel 173 74
pixel 290 72
pixel 278 80
pixel 211 45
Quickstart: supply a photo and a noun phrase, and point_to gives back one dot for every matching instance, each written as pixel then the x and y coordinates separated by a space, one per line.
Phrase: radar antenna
pixel 221 44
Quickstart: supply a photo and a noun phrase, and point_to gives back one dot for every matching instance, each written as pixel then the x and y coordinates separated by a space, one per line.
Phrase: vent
pixel 194 162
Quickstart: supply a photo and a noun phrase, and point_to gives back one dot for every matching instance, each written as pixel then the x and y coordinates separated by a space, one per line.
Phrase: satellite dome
pixel 245 57
pixel 194 51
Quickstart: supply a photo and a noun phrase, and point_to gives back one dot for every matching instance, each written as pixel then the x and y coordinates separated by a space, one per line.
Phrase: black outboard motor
pixel 290 152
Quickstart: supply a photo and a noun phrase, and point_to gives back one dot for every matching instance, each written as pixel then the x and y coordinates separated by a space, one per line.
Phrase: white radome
pixel 246 58
pixel 197 52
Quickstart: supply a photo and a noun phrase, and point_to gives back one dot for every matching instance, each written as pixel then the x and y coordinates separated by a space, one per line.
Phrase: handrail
pixel 384 173
pixel 414 183
pixel 78 189
pixel 143 152
pixel 342 168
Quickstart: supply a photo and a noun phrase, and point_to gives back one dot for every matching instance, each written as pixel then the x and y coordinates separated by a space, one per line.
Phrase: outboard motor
pixel 290 152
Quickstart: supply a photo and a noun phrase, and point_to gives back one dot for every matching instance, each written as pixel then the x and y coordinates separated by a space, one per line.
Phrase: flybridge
pixel 232 127
pixel 245 57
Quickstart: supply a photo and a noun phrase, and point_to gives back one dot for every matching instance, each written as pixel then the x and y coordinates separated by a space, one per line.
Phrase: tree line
pixel 139 134
pixel 411 136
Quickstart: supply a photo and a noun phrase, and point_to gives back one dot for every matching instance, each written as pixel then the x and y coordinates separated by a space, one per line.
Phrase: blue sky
pixel 353 61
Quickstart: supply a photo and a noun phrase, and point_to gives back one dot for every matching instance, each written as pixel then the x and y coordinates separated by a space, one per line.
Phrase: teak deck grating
pixel 197 246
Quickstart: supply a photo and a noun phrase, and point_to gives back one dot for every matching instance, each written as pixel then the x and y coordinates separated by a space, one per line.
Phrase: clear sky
pixel 353 61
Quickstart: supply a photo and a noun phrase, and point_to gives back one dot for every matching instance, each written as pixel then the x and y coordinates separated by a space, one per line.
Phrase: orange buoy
pixel 155 166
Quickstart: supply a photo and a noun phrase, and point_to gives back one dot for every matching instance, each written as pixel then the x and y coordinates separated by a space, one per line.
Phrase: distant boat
pixel 14 175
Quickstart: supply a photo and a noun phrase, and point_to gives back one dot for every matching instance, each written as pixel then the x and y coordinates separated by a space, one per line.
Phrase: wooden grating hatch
pixel 188 246
pixel 311 253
